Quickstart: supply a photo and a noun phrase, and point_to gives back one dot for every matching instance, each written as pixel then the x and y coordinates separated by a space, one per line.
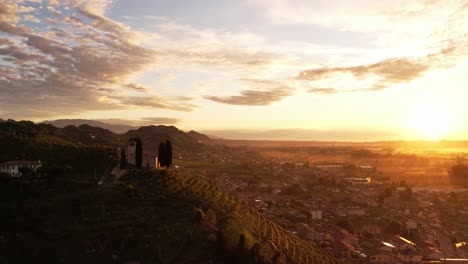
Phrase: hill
pixel 150 135
pixel 151 217
pixel 88 135
pixel 201 138
pixel 83 150
pixel 84 135
pixel 116 128
pixel 153 135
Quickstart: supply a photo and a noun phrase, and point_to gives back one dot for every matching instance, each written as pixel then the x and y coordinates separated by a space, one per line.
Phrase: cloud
pixel 8 12
pixel 137 87
pixel 156 102
pixel 85 62
pixel 391 70
pixel 381 75
pixel 98 7
pixel 264 93
pixel 447 45
pixel 243 50
pixel 323 90
pixel 31 18
pixel 388 72
pixel 232 58
pixel 360 15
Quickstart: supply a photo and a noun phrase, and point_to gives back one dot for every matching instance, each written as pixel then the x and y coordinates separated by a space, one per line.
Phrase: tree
pixel 459 174
pixel 162 154
pixel 407 194
pixel 27 172
pixel 165 154
pixel 393 228
pixel 138 153
pixel 123 159
pixel 346 225
pixel 168 155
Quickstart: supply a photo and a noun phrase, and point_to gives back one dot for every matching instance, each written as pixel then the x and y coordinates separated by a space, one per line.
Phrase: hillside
pixel 88 135
pixel 83 135
pixel 202 138
pixel 152 217
pixel 153 135
pixel 150 135
pixel 82 151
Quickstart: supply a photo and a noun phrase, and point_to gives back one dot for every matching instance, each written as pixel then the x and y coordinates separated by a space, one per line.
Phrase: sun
pixel 430 121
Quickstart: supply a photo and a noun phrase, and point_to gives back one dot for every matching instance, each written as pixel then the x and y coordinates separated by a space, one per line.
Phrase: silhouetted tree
pixel 165 154
pixel 220 251
pixel 162 154
pixel 346 225
pixel 168 155
pixel 407 194
pixel 26 171
pixel 393 228
pixel 459 174
pixel 123 159
pixel 242 252
pixel 138 153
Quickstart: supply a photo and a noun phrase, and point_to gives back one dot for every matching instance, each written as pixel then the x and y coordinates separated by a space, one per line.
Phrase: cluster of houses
pixel 13 167
pixel 314 212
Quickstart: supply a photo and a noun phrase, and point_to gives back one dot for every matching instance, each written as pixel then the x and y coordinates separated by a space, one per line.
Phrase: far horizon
pixel 120 126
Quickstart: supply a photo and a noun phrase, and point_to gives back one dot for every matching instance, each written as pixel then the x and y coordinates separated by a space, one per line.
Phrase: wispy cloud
pixel 388 72
pixel 77 66
pixel 323 90
pixel 145 121
pixel 263 92
pixel 137 87
pixel 383 74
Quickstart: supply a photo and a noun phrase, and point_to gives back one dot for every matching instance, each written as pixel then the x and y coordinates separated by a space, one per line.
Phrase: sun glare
pixel 430 121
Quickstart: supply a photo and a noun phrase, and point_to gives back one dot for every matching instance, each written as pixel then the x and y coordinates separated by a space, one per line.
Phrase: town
pixel 353 211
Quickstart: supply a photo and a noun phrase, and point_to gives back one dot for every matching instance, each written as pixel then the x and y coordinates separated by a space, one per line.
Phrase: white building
pixel 131 150
pixel 316 214
pixel 13 167
pixel 149 160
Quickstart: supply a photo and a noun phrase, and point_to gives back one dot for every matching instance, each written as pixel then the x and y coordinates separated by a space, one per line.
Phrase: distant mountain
pixel 202 138
pixel 153 135
pixel 88 135
pixel 116 128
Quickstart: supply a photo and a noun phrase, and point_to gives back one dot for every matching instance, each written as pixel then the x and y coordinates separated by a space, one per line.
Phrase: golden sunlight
pixel 430 121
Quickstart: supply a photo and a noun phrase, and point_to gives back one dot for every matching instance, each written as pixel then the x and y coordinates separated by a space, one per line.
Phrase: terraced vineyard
pixel 245 232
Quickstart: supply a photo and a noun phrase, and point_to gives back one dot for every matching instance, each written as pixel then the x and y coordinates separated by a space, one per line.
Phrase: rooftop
pixel 21 162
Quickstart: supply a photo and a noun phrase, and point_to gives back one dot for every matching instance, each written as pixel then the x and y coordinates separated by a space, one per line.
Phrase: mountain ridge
pixel 116 128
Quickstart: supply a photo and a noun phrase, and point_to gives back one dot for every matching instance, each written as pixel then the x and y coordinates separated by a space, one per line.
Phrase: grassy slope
pixel 152 217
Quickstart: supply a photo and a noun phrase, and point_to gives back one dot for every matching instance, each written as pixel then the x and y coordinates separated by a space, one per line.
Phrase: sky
pixel 359 70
